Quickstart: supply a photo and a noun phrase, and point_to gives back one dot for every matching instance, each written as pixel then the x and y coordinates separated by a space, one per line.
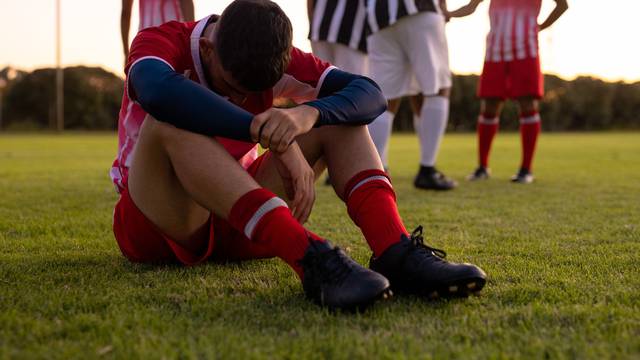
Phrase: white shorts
pixel 411 56
pixel 342 56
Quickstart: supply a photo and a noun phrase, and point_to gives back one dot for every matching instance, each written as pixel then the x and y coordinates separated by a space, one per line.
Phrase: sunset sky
pixel 597 38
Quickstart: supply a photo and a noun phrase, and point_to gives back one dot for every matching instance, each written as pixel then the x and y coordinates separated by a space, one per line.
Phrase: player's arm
pixel 561 7
pixel 310 9
pixel 125 24
pixel 343 99
pixel 465 10
pixel 348 99
pixel 170 97
pixel 187 10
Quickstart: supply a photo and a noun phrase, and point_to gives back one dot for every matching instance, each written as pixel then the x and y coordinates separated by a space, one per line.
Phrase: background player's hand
pixel 298 179
pixel 275 129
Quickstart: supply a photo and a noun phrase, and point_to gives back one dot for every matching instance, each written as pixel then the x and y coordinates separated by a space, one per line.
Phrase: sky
pixel 594 37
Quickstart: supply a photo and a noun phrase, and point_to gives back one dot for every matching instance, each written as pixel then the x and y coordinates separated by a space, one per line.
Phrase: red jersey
pixel 514 30
pixel 177 44
pixel 158 12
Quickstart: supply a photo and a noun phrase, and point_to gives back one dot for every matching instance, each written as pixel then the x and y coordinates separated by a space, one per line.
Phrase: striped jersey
pixel 340 22
pixel 514 30
pixel 158 12
pixel 384 13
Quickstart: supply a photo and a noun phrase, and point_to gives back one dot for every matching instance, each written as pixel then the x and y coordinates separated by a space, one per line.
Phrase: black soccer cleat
pixel 523 176
pixel 481 173
pixel 415 268
pixel 430 178
pixel 333 280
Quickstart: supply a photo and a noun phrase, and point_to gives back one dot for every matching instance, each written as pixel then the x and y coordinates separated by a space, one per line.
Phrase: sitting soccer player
pixel 198 98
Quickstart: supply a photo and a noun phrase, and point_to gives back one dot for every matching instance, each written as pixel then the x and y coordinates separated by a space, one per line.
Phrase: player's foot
pixel 481 173
pixel 523 176
pixel 430 178
pixel 334 280
pixel 415 268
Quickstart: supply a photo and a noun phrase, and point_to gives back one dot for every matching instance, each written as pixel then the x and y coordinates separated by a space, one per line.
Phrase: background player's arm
pixel 561 7
pixel 310 9
pixel 187 10
pixel 125 24
pixel 465 10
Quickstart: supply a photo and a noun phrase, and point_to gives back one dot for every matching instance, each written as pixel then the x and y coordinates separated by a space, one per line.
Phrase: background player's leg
pixel 529 130
pixel 487 127
pixel 380 130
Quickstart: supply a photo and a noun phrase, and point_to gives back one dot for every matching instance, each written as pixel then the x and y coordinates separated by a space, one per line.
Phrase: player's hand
pixel 275 129
pixel 298 179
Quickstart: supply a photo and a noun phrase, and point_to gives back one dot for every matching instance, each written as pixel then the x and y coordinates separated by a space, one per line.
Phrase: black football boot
pixel 429 178
pixel 415 268
pixel 481 173
pixel 332 279
pixel 523 176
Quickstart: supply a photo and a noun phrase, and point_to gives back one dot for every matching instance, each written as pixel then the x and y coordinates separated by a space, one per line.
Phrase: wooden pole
pixel 59 76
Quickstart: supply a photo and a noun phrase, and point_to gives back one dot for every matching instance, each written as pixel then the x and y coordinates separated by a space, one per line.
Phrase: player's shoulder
pixel 302 62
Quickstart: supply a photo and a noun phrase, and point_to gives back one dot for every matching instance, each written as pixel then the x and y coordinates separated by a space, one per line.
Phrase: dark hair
pixel 253 41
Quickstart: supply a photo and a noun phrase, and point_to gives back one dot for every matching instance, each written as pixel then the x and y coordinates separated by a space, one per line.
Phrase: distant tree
pixel 92 99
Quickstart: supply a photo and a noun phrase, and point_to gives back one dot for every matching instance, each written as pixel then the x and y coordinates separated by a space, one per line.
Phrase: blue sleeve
pixel 172 98
pixel 348 99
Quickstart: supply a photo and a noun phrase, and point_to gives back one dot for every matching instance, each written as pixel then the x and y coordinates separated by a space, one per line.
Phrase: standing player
pixel 511 71
pixel 153 13
pixel 338 32
pixel 408 55
pixel 185 198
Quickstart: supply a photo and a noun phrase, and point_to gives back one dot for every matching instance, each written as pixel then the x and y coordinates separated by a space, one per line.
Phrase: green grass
pixel 562 255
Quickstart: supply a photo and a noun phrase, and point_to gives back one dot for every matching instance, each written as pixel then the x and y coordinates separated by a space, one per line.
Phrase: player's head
pixel 253 43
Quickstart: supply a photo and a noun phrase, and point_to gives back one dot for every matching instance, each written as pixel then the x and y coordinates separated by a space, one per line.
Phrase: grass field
pixel 562 255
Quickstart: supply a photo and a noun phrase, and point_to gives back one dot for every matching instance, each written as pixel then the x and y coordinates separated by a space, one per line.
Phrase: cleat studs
pixel 453 288
pixel 433 295
pixel 471 286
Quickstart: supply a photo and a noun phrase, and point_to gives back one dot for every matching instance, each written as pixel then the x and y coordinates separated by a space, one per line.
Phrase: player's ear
pixel 206 48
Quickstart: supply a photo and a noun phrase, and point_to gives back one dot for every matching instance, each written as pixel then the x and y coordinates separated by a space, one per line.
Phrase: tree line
pixel 93 95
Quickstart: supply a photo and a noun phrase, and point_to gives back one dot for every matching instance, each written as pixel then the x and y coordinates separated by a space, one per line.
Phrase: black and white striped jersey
pixel 383 13
pixel 340 21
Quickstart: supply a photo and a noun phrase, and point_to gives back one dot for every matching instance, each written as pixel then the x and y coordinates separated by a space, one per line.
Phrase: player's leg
pixel 361 183
pixel 388 66
pixel 528 87
pixel 427 49
pixel 529 131
pixel 175 180
pixel 487 127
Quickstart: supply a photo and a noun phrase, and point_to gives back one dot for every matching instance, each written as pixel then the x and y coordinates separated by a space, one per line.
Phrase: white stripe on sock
pixel 488 121
pixel 369 179
pixel 268 205
pixel 530 119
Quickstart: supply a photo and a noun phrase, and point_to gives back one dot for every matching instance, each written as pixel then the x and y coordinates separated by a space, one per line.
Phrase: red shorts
pixel 141 241
pixel 511 79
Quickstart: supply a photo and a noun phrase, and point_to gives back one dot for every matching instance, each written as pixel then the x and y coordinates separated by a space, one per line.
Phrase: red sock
pixel 487 129
pixel 371 203
pixel 529 130
pixel 265 219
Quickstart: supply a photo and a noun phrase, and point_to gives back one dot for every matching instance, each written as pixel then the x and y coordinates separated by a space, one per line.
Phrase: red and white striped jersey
pixel 158 12
pixel 514 30
pixel 177 44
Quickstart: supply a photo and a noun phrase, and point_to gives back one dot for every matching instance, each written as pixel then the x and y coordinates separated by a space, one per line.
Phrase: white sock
pixel 380 130
pixel 433 122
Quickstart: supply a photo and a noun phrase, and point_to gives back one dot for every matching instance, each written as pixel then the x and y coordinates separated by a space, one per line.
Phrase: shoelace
pixel 417 240
pixel 332 265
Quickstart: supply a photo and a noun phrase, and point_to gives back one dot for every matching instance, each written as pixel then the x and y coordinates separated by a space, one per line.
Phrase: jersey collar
pixel 195 49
